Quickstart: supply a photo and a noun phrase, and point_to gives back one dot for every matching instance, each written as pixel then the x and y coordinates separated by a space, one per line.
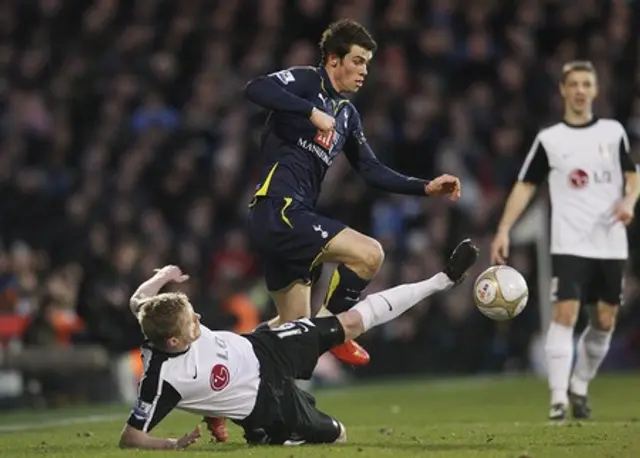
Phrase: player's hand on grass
pixel 623 211
pixel 171 273
pixel 500 248
pixel 188 439
pixel 322 120
pixel 444 185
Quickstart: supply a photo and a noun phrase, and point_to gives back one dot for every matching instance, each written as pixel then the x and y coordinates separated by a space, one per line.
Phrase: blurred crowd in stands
pixel 126 144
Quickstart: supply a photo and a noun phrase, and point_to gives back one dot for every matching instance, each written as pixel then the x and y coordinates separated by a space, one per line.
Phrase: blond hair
pixel 577 66
pixel 160 317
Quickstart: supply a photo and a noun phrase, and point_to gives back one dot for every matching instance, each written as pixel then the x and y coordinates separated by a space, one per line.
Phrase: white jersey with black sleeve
pixel 217 376
pixel 585 166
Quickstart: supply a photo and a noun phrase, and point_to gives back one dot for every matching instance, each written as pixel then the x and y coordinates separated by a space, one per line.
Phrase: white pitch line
pixel 568 424
pixel 59 422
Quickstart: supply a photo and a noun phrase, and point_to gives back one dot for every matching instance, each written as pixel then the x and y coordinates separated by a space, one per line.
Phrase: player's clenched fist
pixel 444 185
pixel 322 120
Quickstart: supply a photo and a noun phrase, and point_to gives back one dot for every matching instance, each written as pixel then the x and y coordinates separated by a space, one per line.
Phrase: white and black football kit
pixel 585 166
pixel 249 379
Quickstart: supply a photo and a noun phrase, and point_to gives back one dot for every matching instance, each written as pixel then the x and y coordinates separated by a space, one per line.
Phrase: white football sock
pixel 386 305
pixel 559 356
pixel 592 349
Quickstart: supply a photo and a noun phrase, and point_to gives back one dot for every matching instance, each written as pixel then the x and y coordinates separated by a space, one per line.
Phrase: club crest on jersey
pixel 220 377
pixel 605 151
pixel 578 179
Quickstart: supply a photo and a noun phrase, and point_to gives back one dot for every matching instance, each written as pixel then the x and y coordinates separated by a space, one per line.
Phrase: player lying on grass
pixel 251 378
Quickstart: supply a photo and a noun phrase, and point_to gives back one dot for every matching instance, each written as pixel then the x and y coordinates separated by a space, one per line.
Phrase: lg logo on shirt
pixel 219 377
pixel 579 179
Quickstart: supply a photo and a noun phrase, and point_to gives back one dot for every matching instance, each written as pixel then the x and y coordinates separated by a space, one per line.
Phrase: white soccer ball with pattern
pixel 501 293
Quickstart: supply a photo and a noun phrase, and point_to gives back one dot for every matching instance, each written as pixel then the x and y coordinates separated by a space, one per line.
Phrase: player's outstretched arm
pixel 284 91
pixel 156 398
pixel 377 175
pixel 135 438
pixel 151 287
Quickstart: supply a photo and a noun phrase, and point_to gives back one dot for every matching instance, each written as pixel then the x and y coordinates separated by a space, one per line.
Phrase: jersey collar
pixel 327 87
pixel 157 351
pixel 590 123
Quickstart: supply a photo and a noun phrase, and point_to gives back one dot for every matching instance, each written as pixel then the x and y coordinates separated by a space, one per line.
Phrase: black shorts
pixel 288 238
pixel 588 280
pixel 286 354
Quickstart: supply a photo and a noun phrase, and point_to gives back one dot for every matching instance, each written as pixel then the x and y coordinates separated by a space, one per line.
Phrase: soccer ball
pixel 501 293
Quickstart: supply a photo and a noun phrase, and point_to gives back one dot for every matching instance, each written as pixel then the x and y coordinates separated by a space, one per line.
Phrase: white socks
pixel 386 305
pixel 592 349
pixel 559 355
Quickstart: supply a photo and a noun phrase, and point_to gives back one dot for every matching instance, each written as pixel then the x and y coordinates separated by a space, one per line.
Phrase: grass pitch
pixel 449 418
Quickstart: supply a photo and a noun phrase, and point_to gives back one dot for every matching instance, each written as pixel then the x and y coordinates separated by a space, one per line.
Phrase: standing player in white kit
pixel 594 188
pixel 250 378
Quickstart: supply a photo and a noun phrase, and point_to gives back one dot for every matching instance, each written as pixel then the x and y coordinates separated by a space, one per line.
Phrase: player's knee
pixel 605 317
pixel 371 259
pixel 566 312
pixel 292 312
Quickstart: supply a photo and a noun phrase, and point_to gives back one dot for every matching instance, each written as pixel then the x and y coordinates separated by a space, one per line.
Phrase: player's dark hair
pixel 340 36
pixel 577 66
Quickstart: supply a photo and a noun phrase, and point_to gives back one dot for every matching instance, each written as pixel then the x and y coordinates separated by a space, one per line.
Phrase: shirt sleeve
pixel 284 91
pixel 156 398
pixel 536 165
pixel 364 161
pixel 625 157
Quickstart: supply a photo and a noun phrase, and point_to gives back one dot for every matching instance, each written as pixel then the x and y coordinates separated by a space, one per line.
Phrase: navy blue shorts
pixel 288 238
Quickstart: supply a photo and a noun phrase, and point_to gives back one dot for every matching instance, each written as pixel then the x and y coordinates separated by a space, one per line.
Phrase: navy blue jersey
pixel 296 155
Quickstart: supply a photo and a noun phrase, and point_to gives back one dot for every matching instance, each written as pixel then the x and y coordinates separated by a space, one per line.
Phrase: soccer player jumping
pixel 310 122
pixel 594 188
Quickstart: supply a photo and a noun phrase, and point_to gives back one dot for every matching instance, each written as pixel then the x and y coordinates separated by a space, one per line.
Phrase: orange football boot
pixel 351 353
pixel 217 428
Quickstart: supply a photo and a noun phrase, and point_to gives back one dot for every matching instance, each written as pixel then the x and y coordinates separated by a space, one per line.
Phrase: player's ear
pixel 561 89
pixel 172 342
